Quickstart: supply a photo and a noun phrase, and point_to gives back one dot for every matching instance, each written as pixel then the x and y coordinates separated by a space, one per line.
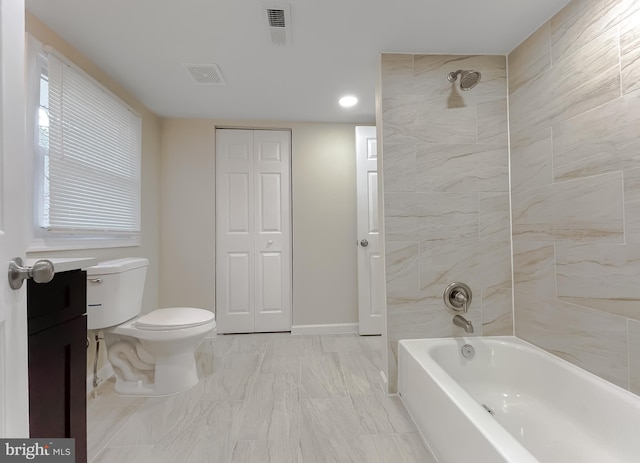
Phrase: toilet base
pixel 146 369
pixel 173 374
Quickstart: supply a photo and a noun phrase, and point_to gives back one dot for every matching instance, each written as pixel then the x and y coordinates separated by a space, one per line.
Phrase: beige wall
pixel 574 88
pixel 187 179
pixel 324 217
pixel 150 171
pixel 446 196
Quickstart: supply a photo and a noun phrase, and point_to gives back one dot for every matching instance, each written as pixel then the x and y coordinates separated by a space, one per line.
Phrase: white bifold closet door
pixel 253 230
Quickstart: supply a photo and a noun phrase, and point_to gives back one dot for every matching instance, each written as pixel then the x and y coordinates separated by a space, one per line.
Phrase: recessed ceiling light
pixel 348 101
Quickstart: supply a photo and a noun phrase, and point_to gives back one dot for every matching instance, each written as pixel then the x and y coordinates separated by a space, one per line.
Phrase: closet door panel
pixel 235 230
pixel 272 162
pixel 253 231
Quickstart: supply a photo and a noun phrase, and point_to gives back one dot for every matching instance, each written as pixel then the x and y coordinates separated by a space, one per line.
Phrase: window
pixel 86 163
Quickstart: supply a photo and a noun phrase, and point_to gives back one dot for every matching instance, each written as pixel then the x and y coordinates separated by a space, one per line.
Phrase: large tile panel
pixel 236 377
pixel 438 216
pixel 462 168
pixel 321 376
pixel 576 83
pixel 632 205
pixel 209 436
pixel 480 264
pixel 531 58
pixel 439 119
pixel 402 267
pixel 531 160
pixel 598 271
pixel 534 269
pixel 382 414
pixel 587 210
pixel 397 73
pixel 590 339
pixel 629 308
pixel 400 227
pixel 579 23
pixel 142 454
pixel 158 418
pixel 630 52
pixel 587 78
pixel 431 320
pixel 603 277
pixel 497 312
pixel 329 429
pixel 400 167
pixel 492 121
pixel 103 423
pixel 604 139
pixel 405 448
pixel 494 219
pixel 272 411
pixel 398 114
pixel 283 451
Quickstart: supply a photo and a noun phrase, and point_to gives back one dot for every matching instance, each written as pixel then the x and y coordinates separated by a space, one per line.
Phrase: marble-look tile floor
pixel 272 398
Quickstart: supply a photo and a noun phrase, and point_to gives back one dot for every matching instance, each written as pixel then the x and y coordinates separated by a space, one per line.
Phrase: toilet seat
pixel 174 318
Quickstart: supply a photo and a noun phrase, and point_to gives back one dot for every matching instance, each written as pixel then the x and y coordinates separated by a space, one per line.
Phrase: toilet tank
pixel 114 291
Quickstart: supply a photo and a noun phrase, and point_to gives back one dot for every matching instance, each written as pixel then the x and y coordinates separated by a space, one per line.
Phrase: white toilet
pixel 152 354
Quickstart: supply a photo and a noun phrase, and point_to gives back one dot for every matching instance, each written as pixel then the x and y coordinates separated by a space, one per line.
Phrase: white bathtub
pixel 544 408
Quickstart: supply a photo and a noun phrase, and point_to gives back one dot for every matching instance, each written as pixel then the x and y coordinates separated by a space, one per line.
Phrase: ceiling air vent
pixel 278 18
pixel 206 74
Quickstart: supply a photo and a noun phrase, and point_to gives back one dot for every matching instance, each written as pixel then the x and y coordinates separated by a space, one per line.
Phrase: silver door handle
pixel 364 243
pixel 41 272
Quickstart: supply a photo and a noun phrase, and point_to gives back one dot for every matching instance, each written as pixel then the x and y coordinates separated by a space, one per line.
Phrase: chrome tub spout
pixel 462 322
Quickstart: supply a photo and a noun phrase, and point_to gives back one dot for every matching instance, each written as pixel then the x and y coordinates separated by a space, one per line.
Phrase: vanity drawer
pixel 60 300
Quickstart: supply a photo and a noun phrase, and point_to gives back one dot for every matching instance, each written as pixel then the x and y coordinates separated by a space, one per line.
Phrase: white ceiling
pixel 143 44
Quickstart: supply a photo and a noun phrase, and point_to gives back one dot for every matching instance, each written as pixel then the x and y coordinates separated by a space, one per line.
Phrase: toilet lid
pixel 173 318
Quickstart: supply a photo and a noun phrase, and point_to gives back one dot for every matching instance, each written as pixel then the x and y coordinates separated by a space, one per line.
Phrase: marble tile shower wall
pixel 446 196
pixel 574 105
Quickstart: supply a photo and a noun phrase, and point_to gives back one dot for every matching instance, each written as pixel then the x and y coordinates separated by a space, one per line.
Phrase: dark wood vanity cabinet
pixel 58 358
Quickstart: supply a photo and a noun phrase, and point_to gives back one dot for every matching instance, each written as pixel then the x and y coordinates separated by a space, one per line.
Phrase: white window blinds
pixel 93 163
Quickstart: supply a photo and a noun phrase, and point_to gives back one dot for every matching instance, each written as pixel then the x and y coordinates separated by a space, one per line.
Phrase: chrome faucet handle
pixel 457 296
pixel 462 299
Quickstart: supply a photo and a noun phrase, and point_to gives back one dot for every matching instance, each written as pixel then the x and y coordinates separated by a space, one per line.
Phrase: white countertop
pixel 66 264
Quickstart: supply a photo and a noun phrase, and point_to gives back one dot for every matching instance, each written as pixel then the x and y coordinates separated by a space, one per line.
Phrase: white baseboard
pixel 104 373
pixel 338 328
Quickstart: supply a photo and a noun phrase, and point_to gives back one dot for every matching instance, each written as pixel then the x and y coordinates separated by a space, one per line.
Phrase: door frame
pixel 370 260
pixel 14 393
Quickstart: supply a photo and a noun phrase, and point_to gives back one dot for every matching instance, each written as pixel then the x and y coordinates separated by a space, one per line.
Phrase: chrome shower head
pixel 468 79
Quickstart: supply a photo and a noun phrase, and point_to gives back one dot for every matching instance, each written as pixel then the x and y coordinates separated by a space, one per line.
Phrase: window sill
pixel 77 243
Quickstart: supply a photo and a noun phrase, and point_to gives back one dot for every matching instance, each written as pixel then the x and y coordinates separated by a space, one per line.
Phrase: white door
pixel 14 393
pixel 253 231
pixel 370 272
